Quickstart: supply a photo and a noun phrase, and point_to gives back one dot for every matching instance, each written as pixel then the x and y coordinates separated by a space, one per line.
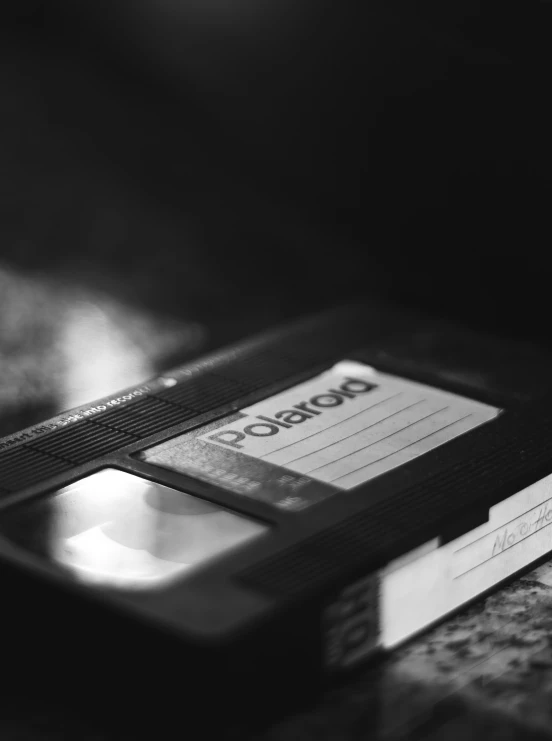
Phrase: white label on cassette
pixel 350 424
pixel 421 590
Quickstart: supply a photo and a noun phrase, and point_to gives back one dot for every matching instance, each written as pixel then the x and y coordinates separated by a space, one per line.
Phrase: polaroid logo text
pixel 285 419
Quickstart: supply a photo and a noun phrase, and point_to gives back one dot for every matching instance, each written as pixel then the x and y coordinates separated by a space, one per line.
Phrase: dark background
pixel 235 155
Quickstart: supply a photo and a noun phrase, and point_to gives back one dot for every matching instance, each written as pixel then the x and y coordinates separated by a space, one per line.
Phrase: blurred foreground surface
pixel 111 270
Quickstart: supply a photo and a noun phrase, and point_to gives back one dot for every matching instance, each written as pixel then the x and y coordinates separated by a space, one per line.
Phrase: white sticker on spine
pixel 350 424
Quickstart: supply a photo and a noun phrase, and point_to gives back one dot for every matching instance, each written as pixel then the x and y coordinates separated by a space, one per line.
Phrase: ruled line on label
pixel 404 447
pixel 366 426
pixel 505 537
pixel 380 439
pixel 354 434
pixel 340 423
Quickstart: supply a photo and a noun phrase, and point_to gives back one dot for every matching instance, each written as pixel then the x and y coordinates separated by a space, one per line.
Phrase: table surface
pixel 104 282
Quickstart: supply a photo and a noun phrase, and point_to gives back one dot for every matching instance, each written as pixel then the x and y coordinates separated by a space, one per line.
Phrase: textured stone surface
pixel 484 673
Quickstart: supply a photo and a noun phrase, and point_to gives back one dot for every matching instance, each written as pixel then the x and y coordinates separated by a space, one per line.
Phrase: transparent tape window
pixel 116 529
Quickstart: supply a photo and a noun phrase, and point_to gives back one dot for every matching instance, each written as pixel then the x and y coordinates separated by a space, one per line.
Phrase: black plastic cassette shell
pixel 383 519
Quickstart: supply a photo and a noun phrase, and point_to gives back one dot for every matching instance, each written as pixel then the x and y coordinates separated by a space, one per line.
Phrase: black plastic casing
pixel 244 634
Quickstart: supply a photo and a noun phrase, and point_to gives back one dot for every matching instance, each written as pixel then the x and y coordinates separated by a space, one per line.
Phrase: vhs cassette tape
pixel 277 513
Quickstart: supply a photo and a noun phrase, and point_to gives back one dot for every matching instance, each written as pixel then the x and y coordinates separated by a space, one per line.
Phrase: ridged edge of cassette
pixel 211 383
